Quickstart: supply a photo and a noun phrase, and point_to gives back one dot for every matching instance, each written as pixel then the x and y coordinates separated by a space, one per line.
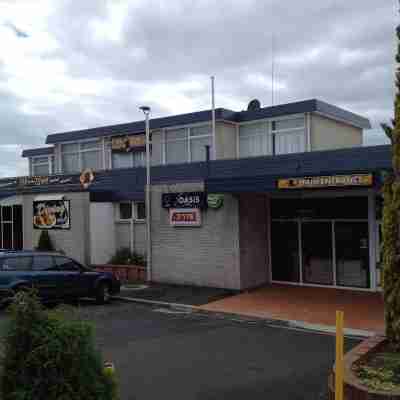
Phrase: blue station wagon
pixel 55 277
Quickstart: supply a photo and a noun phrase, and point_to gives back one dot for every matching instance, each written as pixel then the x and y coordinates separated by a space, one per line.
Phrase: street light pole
pixel 146 111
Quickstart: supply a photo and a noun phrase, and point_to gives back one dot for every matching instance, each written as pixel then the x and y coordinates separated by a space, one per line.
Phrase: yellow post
pixel 339 368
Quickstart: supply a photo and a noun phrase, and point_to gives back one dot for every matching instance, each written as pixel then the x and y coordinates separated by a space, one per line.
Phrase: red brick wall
pixel 125 273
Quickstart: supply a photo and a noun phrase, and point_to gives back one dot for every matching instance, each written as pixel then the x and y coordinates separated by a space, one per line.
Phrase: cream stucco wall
pixel 225 140
pixel 328 134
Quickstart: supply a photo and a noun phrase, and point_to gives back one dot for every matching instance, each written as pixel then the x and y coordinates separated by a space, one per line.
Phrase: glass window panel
pixel 17 263
pixel 52 166
pixel 317 251
pixel 201 130
pixel 176 152
pixel 140 210
pixel 122 160
pixel 7 213
pixel 66 264
pixel 70 163
pixel 125 211
pixel 40 160
pixel 285 251
pixel 91 159
pixel 42 263
pixel 42 169
pixel 139 158
pixel 293 123
pixel 291 142
pixel 198 148
pixel 352 254
pixel 259 128
pixel 7 236
pixel 96 144
pixel 176 134
pixel 70 148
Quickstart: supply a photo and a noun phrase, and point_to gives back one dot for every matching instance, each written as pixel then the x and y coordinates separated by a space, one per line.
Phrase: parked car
pixel 55 277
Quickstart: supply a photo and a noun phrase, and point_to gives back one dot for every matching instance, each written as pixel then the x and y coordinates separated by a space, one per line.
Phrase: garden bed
pixel 371 371
pixel 125 273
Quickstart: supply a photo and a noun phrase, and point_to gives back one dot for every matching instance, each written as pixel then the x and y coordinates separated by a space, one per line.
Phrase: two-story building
pixel 289 195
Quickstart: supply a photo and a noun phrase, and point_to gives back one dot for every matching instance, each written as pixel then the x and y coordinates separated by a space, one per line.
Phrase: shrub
pixel 51 357
pixel 124 256
pixel 45 243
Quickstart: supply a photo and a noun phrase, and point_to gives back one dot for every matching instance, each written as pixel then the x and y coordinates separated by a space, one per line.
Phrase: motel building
pixel 290 195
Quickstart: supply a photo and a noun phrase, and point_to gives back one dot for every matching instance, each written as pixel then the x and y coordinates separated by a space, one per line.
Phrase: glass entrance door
pixel 317 252
pixel 352 254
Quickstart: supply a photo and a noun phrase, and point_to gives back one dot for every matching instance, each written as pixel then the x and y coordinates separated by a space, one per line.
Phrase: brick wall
pixel 206 255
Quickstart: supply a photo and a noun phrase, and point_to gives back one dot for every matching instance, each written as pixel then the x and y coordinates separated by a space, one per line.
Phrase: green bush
pixel 48 356
pixel 45 243
pixel 124 256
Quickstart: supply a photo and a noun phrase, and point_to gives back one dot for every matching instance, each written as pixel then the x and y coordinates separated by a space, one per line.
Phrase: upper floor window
pixel 42 165
pixel 281 136
pixel 289 135
pixel 128 160
pixel 76 157
pixel 254 140
pixel 187 144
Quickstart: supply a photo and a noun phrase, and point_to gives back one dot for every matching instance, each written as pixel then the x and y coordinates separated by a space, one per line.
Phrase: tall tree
pixel 391 222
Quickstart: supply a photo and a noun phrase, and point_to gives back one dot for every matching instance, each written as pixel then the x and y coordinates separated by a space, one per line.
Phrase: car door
pixel 46 277
pixel 71 276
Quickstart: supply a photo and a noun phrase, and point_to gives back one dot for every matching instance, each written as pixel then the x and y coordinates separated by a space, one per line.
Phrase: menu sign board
pixel 184 200
pixel 185 217
pixel 128 143
pixel 316 182
pixel 51 214
pixel 27 181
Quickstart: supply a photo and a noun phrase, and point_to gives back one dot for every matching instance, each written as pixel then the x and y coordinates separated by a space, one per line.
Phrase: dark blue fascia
pixel 255 175
pixel 221 114
pixel 41 151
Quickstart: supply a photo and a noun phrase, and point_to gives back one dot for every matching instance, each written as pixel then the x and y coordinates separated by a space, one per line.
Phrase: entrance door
pixel 317 252
pixel 285 251
pixel 352 254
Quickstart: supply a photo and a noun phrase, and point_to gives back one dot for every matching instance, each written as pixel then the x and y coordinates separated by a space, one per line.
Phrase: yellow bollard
pixel 339 367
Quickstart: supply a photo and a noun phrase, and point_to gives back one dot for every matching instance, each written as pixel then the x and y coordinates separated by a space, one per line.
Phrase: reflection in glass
pixel 285 251
pixel 352 254
pixel 316 238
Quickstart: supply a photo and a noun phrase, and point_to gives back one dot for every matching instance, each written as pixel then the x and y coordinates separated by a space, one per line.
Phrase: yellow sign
pixel 316 182
pixel 128 143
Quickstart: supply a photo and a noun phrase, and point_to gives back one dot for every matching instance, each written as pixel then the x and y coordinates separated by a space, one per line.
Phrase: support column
pixel 372 229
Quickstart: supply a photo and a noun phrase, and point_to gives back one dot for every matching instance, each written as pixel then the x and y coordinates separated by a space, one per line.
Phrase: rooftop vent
pixel 254 105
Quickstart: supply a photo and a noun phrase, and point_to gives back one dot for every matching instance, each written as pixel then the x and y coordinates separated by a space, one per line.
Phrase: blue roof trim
pixel 258 174
pixel 221 114
pixel 41 151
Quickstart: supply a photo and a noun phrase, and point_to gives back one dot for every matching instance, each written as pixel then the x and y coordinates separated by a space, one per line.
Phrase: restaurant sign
pixel 184 200
pixel 185 217
pixel 51 214
pixel 317 182
pixel 29 181
pixel 128 143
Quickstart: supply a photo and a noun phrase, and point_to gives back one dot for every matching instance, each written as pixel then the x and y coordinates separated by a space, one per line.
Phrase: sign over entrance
pixel 185 217
pixel 316 182
pixel 184 200
pixel 51 214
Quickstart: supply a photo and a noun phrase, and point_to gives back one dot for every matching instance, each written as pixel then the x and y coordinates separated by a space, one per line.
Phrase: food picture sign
pixel 51 214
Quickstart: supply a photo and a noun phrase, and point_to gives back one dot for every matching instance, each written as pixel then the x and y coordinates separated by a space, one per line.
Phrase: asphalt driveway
pixel 162 354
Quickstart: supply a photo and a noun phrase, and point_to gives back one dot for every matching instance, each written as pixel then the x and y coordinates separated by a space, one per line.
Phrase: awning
pixel 49 197
pixel 11 201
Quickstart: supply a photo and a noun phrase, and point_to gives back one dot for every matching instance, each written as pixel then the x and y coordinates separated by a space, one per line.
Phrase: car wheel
pixel 103 294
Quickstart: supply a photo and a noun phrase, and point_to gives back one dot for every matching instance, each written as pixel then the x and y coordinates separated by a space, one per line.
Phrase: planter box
pixel 353 389
pixel 125 273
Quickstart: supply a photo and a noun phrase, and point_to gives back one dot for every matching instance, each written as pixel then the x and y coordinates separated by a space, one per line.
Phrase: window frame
pixel 134 208
pixel 187 139
pixel 3 259
pixel 272 133
pixel 100 149
pixel 35 163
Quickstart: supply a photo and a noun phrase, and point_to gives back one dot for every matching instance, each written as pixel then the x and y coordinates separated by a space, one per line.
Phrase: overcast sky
pixel 67 64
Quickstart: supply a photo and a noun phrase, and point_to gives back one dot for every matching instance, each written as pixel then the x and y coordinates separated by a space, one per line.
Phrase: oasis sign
pixel 184 200
pixel 316 182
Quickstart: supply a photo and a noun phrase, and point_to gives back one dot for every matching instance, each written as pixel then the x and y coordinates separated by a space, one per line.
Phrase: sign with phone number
pixel 185 217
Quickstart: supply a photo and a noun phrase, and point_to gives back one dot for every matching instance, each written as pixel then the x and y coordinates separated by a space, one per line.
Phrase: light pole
pixel 146 111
